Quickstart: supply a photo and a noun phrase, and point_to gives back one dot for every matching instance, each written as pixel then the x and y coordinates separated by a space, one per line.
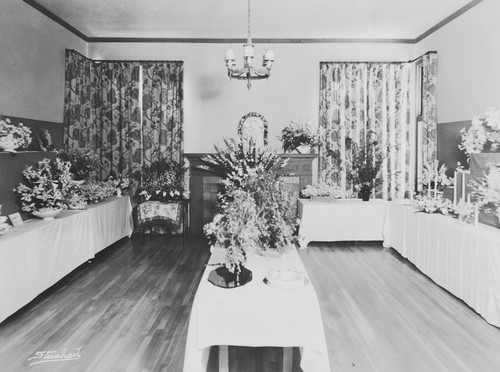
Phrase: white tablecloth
pixel 462 258
pixel 37 254
pixel 341 220
pixel 256 315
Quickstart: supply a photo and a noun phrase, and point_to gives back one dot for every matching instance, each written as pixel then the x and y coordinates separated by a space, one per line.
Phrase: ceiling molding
pixel 447 20
pixel 56 19
pixel 239 41
pixel 89 39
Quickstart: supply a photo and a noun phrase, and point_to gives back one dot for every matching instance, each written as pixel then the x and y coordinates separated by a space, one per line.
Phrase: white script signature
pixel 54 356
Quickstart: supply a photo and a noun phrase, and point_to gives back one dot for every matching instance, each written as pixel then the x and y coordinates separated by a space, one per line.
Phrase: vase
pixel 47 214
pixel 365 195
pixel 8 145
pixel 77 182
pixel 119 193
pixel 303 149
pixel 223 278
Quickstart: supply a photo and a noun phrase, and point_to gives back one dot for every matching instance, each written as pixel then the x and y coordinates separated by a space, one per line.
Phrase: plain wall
pixel 213 104
pixel 32 62
pixel 468 62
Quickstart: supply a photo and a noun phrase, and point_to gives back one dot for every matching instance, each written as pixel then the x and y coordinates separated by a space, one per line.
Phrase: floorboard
pixel 128 310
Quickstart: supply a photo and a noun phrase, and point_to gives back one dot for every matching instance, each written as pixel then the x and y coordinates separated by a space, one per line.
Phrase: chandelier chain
pixel 249 37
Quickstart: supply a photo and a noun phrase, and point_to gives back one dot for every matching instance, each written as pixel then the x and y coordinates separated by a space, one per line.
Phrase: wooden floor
pixel 128 310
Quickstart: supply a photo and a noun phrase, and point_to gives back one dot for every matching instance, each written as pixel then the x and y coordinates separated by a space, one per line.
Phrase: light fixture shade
pixel 229 55
pixel 248 50
pixel 269 55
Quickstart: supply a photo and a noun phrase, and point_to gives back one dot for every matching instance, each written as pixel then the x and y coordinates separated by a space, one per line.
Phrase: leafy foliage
pixel 163 180
pixel 295 135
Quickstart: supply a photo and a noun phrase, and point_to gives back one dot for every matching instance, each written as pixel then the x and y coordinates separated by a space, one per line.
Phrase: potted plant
pixel 13 136
pixel 297 137
pixel 163 181
pixel 83 163
pixel 44 187
pixel 365 167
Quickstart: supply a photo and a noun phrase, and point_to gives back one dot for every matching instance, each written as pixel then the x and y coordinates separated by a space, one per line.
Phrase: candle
pixel 468 198
pixel 463 185
pixel 476 215
pixel 455 189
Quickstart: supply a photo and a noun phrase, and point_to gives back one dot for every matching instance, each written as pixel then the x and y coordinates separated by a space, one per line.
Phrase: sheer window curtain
pixel 361 103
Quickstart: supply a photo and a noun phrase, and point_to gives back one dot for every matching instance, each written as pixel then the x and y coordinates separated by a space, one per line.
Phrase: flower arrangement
pixel 235 162
pixel 83 163
pixel 323 189
pixel 120 184
pixel 365 167
pixel 75 198
pixel 488 190
pixel 295 135
pixel 44 185
pixel 237 228
pixel 163 180
pixel 93 192
pixel 12 134
pixel 428 204
pixel 484 133
pixel 435 177
pixel 465 211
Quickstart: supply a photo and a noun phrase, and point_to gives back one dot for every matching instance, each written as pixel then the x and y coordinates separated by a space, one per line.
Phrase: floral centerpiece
pixel 295 135
pixel 428 204
pixel 95 191
pixel 487 192
pixel 163 180
pixel 13 136
pixel 323 189
pixel 120 184
pixel 44 186
pixel 435 177
pixel 483 135
pixel 83 163
pixel 237 229
pixel 365 167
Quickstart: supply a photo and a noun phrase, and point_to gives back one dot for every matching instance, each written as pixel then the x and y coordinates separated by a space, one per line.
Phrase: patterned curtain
pixel 77 100
pixel 116 115
pixel 162 114
pixel 429 107
pixel 364 103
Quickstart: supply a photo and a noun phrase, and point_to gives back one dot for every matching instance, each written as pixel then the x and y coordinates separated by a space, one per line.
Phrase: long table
pixel 37 254
pixel 341 220
pixel 462 258
pixel 256 315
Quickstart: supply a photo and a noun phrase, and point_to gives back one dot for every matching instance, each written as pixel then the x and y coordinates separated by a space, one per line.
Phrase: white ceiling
pixel 273 19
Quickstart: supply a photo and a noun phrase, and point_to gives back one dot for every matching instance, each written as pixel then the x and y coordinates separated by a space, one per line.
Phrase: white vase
pixel 303 149
pixel 47 215
pixel 8 145
pixel 119 193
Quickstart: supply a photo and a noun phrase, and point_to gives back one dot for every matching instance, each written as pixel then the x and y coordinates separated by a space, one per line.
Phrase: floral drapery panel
pixel 117 118
pixel 162 111
pixel 106 113
pixel 429 107
pixel 362 103
pixel 78 125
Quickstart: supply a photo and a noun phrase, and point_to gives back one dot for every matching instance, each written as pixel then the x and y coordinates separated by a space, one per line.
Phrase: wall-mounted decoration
pixel 253 129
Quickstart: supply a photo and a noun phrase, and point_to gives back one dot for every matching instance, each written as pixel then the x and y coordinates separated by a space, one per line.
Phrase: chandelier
pixel 249 72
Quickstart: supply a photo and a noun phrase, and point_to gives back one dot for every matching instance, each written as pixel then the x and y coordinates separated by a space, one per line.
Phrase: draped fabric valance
pixel 129 113
pixel 363 103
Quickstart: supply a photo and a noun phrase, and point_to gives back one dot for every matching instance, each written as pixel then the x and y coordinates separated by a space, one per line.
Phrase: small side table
pixel 168 215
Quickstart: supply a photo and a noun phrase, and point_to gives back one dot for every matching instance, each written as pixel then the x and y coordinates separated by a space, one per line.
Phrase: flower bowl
pixel 46 214
pixel 8 145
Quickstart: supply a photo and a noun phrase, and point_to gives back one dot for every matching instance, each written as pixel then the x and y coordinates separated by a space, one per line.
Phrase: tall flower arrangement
pixel 235 161
pixel 483 135
pixel 365 167
pixel 83 163
pixel 487 191
pixel 44 185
